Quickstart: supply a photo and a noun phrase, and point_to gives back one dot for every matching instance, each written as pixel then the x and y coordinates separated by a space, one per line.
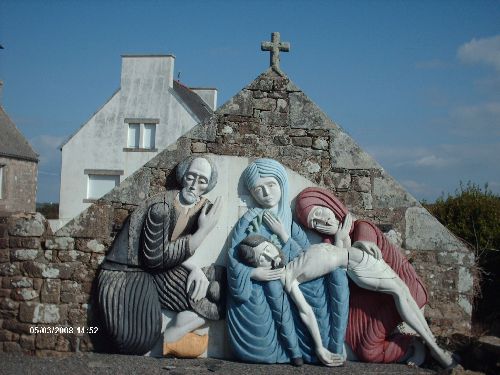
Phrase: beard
pixel 188 197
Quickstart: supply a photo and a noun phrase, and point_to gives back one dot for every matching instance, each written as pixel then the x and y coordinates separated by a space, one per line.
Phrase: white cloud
pixel 481 51
pixel 432 64
pixel 414 157
pixel 47 146
pixel 479 119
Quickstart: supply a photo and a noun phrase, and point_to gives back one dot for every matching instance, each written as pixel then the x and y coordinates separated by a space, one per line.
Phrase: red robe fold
pixel 373 315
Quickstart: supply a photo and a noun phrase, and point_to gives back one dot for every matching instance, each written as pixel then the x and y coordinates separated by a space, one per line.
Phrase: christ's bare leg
pixel 184 322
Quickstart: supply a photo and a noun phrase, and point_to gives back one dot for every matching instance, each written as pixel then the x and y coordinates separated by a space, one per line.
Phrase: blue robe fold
pixel 264 325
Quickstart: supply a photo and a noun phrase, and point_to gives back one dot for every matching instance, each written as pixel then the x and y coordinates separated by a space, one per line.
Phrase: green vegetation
pixel 49 210
pixel 473 214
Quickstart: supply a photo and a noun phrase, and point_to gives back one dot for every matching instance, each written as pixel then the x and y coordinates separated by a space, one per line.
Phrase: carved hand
pixel 208 219
pixel 329 359
pixel 200 281
pixel 342 235
pixel 266 274
pixel 276 226
pixel 373 250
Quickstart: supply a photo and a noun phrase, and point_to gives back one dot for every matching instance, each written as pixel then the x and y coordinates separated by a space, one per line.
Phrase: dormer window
pixel 141 134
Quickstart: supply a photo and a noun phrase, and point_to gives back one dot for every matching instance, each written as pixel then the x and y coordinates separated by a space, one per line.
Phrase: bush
pixel 473 214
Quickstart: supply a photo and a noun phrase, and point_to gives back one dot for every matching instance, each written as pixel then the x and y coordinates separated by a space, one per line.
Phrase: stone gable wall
pixel 48 279
pixel 18 185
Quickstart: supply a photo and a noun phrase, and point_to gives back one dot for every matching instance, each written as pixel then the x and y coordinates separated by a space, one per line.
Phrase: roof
pixel 193 101
pixel 12 142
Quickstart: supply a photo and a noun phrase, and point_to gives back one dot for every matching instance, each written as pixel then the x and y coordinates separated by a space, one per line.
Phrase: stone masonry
pixel 47 279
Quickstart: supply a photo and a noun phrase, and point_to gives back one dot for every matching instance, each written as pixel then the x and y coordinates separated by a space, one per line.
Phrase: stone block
pixel 4 255
pixel 27 224
pixel 272 118
pixel 297 133
pixel 45 341
pixel 388 193
pixel 24 294
pixel 9 269
pixel 320 143
pixel 9 305
pixel 24 254
pixel 51 291
pixel 11 347
pixel 66 270
pixel 39 270
pixel 91 245
pixel 302 141
pixel 281 140
pixel 425 232
pixel 281 105
pixel 63 344
pixel 34 312
pixel 5 335
pixel 305 114
pixel 77 317
pixel 240 104
pixel 4 243
pixel 198 147
pixel 264 104
pixel 77 297
pixel 27 342
pixel 37 283
pixel 60 243
pixel 5 293
pixel 257 94
pixel 73 256
pixel 8 314
pixel 15 326
pixel 24 243
pixel 362 183
pixel 339 181
pixel 280 83
pixel 261 84
pixel 367 201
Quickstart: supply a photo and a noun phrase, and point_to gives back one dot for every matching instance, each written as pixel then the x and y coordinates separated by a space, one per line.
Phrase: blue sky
pixel 415 83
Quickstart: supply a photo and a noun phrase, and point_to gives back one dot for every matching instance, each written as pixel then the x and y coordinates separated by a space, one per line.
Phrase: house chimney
pixel 137 68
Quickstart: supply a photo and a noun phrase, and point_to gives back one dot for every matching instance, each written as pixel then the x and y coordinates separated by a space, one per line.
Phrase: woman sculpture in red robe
pixel 373 316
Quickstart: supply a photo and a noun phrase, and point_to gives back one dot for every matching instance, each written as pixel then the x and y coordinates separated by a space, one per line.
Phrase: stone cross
pixel 275 46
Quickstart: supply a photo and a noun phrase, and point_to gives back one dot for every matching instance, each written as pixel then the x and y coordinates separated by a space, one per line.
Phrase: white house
pixel 148 113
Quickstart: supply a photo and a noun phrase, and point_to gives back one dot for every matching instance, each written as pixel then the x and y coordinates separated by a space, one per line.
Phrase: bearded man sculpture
pixel 148 267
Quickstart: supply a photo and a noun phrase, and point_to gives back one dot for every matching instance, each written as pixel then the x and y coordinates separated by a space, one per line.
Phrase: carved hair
pixel 246 251
pixel 184 165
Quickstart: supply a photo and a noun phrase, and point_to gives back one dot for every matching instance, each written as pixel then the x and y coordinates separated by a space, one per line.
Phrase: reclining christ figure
pixel 321 259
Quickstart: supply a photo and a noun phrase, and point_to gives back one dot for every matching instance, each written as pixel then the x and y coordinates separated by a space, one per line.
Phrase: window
pixel 100 182
pixel 1 181
pixel 141 134
pixel 148 137
pixel 134 134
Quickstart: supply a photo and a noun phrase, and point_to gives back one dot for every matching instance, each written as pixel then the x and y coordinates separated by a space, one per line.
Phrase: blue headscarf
pixel 270 168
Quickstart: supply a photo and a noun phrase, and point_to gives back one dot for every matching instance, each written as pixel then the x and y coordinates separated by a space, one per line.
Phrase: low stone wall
pixel 46 283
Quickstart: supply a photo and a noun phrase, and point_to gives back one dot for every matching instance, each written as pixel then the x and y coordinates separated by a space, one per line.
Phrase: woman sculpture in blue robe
pixel 263 324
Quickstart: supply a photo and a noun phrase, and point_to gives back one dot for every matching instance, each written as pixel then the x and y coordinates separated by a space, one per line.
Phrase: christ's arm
pixel 307 316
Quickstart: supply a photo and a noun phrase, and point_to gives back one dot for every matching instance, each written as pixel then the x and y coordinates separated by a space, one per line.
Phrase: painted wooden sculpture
pixel 148 268
pixel 263 324
pixel 387 289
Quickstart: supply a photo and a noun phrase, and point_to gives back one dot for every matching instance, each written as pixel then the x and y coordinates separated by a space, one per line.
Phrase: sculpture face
pixel 266 192
pixel 322 216
pixel 195 180
pixel 266 254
